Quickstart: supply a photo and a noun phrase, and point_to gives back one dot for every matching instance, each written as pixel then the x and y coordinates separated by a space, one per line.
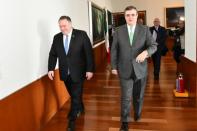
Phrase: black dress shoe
pixel 82 112
pixel 79 113
pixel 71 125
pixel 136 118
pixel 124 126
pixel 156 77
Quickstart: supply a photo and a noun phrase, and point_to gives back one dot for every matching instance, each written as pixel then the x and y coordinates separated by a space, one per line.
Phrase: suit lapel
pixel 62 43
pixel 135 37
pixel 126 34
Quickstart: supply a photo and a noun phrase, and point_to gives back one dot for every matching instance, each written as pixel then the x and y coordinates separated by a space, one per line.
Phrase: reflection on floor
pixel 161 110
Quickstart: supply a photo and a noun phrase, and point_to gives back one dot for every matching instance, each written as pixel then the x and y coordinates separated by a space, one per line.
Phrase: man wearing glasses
pixel 132 45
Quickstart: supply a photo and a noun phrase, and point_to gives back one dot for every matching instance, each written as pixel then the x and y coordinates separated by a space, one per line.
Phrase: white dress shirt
pixel 129 28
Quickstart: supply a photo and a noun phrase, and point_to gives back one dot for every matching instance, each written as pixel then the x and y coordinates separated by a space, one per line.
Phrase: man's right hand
pixel 115 72
pixel 51 75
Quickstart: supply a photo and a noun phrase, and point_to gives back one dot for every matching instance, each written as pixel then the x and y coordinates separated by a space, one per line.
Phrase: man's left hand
pixel 89 75
pixel 142 56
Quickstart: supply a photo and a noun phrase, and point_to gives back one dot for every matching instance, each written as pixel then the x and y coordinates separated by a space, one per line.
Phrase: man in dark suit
pixel 132 44
pixel 159 35
pixel 73 50
pixel 179 41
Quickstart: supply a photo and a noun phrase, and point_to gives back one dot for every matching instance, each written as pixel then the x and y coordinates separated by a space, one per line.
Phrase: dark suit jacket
pixel 123 55
pixel 79 59
pixel 161 37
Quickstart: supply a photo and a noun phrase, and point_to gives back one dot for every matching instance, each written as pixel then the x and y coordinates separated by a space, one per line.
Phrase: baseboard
pixel 33 106
pixel 30 108
pixel 188 68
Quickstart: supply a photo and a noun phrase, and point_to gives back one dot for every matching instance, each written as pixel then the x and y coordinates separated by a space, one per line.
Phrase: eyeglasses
pixel 133 15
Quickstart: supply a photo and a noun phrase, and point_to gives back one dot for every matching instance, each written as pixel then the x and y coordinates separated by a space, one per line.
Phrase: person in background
pixel 159 35
pixel 132 45
pixel 73 50
pixel 140 21
pixel 179 41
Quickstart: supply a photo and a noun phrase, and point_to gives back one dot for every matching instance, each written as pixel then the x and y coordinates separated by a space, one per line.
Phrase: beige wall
pixel 35 24
pixel 103 3
pixel 154 8
pixel 190 29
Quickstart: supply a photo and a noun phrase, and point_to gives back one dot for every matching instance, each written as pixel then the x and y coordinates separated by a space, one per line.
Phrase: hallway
pixel 161 110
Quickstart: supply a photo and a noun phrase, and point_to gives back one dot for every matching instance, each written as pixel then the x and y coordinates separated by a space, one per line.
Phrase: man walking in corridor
pixel 74 52
pixel 159 35
pixel 132 44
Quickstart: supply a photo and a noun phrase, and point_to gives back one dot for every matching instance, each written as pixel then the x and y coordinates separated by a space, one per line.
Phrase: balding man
pixel 159 35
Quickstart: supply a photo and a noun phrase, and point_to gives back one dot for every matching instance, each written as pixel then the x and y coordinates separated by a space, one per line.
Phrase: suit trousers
pixel 75 90
pixel 132 89
pixel 156 57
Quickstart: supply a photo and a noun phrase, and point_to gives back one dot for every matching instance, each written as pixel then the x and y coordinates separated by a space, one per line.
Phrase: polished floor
pixel 161 110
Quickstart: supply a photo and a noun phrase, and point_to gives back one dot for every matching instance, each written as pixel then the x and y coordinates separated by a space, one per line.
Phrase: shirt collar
pixel 69 34
pixel 156 27
pixel 129 27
